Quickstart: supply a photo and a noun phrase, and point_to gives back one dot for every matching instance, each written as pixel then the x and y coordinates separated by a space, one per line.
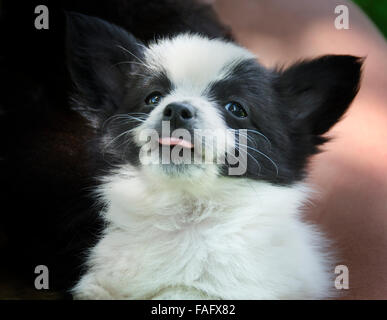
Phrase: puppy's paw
pixel 88 288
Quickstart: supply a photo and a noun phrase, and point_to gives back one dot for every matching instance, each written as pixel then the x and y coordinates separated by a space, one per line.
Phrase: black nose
pixel 179 114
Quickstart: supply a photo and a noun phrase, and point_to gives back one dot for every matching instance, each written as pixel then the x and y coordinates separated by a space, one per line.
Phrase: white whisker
pixel 132 54
pixel 263 154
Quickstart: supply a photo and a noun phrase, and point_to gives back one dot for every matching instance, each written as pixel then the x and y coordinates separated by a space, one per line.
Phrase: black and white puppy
pixel 195 230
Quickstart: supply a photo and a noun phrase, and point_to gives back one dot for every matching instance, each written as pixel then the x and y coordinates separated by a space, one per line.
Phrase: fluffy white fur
pixel 198 236
pixel 238 240
pixel 192 61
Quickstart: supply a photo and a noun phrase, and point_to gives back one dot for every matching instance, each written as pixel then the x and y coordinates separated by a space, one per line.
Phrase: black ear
pixel 99 56
pixel 317 93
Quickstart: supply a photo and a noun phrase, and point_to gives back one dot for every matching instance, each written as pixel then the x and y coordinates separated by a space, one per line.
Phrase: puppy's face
pixel 191 107
pixel 188 104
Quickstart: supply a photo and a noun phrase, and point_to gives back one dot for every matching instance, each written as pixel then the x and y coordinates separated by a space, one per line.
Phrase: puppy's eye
pixel 236 109
pixel 154 98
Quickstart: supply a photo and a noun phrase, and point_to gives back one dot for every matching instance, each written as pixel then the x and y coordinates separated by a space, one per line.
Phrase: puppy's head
pixel 192 107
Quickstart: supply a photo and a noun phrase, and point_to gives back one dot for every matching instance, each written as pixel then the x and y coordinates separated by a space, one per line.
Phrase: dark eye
pixel 154 98
pixel 236 109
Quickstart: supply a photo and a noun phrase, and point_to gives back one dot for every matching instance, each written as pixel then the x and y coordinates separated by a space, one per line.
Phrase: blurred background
pixel 377 11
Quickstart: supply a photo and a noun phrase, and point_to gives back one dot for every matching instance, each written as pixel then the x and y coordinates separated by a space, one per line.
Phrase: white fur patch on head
pixel 192 62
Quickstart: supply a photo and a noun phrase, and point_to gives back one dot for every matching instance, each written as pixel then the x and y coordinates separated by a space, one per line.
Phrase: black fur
pixel 293 108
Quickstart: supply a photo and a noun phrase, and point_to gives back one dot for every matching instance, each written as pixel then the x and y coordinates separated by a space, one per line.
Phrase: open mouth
pixel 171 142
pixel 183 155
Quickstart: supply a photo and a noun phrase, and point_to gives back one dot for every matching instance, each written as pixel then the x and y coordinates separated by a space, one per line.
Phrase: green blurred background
pixel 377 11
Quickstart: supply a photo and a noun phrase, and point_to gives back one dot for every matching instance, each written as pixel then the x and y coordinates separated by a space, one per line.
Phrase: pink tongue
pixel 176 142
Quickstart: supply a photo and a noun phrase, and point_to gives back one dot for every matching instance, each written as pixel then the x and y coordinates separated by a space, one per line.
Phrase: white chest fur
pixel 238 240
